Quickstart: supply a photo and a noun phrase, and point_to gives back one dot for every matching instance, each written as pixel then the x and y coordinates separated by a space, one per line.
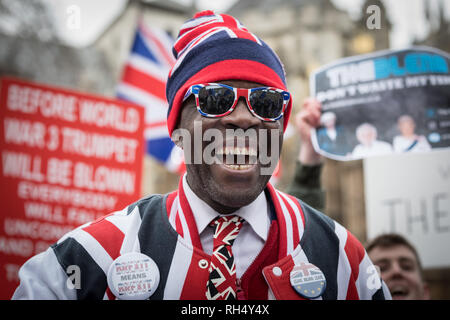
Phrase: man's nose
pixel 241 117
pixel 396 270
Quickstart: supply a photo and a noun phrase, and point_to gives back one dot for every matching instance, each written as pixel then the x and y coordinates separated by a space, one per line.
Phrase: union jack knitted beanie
pixel 213 47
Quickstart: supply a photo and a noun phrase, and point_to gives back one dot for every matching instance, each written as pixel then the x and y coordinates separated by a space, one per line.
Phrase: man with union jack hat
pixel 226 233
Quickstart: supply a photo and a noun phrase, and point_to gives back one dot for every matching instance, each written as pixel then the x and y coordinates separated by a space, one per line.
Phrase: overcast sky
pixel 407 17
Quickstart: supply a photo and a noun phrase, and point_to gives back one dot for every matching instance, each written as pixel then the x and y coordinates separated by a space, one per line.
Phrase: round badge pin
pixel 133 276
pixel 308 280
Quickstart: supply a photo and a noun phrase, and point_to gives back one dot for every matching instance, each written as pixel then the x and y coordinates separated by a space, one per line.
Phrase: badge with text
pixel 308 280
pixel 133 276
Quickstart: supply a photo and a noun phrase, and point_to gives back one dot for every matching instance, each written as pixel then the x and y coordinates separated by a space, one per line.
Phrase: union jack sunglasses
pixel 218 100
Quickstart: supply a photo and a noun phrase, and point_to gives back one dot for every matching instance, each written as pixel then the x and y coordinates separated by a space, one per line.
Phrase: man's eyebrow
pixel 406 259
pixel 381 260
pixel 400 259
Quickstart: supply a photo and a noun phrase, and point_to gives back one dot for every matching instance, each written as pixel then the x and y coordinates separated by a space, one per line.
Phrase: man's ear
pixel 177 137
pixel 180 135
pixel 178 140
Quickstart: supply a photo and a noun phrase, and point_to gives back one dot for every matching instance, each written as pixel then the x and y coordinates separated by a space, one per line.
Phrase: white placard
pixel 409 194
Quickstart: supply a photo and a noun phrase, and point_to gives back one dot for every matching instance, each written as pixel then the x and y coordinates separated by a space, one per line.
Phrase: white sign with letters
pixel 409 194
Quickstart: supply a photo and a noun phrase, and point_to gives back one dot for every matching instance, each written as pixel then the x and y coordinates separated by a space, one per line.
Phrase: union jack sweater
pixel 163 228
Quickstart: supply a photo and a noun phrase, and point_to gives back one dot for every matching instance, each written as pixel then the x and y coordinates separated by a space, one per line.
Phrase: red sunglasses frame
pixel 238 93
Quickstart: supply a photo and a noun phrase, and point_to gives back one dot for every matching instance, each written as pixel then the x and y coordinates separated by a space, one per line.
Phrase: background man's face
pixel 406 127
pixel 400 271
pixel 227 186
pixel 330 123
pixel 367 136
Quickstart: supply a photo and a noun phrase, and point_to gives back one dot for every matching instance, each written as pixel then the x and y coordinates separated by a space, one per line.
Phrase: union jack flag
pixel 144 82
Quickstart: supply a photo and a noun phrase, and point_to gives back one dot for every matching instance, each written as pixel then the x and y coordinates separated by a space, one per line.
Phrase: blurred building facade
pixel 438 36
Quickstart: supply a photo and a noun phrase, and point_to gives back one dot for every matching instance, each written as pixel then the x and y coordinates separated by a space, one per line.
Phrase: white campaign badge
pixel 133 276
pixel 308 280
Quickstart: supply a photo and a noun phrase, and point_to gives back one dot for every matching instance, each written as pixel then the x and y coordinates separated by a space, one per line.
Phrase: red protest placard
pixel 66 158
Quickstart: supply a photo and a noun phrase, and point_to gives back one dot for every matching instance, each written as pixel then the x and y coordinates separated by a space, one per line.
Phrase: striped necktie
pixel 222 270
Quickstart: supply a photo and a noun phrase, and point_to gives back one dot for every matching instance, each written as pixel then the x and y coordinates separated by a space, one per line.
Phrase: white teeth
pixel 239 162
pixel 236 151
pixel 238 166
pixel 399 289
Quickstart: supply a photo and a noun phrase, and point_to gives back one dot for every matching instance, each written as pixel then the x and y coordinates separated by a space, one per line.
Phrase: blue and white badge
pixel 133 276
pixel 308 280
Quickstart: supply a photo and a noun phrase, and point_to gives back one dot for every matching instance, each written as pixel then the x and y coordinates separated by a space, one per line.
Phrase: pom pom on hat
pixel 213 47
pixel 203 13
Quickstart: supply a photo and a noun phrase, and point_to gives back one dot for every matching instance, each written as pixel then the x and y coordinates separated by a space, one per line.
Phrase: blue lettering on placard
pixel 414 63
pixel 395 68
pixel 422 63
pixel 382 69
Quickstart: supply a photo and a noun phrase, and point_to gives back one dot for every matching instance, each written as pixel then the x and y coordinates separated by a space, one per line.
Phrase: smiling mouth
pixel 399 292
pixel 237 158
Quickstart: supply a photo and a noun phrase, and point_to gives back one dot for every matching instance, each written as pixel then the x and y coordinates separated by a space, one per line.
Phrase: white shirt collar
pixel 255 213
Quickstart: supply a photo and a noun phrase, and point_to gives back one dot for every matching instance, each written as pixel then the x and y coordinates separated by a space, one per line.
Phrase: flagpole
pixel 143 82
pixel 140 15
